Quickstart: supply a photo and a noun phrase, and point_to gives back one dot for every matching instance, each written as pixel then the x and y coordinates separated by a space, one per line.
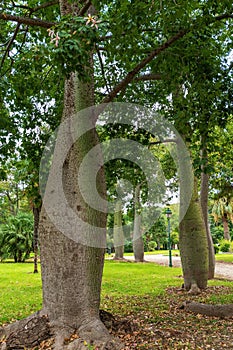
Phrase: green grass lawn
pixel 226 257
pixel 20 289
pixel 145 294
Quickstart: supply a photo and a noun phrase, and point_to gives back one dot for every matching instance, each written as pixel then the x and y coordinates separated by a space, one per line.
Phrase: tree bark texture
pixel 71 271
pixel 29 334
pixel 204 206
pixel 118 234
pixel 192 240
pixel 138 244
pixel 218 310
pixel 36 215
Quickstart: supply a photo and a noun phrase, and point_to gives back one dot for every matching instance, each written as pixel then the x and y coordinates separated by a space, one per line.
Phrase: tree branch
pixel 9 44
pixel 102 69
pixel 43 6
pixel 85 7
pixel 150 76
pixel 27 20
pixel 37 8
pixel 130 76
pixel 224 16
pixel 162 141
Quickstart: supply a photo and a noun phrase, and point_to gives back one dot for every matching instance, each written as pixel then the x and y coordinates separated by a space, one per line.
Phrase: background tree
pixel 16 237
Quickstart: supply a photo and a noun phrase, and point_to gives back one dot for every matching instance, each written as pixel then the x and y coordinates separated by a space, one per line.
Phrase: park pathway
pixel 222 269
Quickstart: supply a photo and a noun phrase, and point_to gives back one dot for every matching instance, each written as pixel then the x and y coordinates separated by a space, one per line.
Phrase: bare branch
pixel 27 20
pixel 150 76
pixel 224 16
pixel 24 39
pixel 102 69
pixel 9 44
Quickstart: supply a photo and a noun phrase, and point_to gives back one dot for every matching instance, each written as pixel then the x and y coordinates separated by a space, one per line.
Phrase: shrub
pixel 225 246
pixel 152 245
pixel 128 246
pixel 16 237
pixel 216 249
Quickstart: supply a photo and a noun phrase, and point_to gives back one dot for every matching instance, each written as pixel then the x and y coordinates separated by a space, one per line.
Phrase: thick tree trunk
pixel 36 214
pixel 204 206
pixel 226 231
pixel 138 244
pixel 118 234
pixel 222 311
pixel 192 240
pixel 72 272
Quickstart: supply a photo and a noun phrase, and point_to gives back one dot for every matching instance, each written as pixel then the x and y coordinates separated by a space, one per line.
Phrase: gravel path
pixel 222 269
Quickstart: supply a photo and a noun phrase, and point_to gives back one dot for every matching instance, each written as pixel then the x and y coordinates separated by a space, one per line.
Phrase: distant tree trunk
pixel 118 234
pixel 36 214
pixel 138 244
pixel 192 240
pixel 204 206
pixel 226 227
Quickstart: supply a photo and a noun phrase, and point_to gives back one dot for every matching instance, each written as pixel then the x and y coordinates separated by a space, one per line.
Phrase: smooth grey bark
pixel 204 206
pixel 192 239
pixel 138 244
pixel 72 272
pixel 118 234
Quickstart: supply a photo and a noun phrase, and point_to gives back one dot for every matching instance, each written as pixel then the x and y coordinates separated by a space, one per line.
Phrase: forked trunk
pixel 118 234
pixel 193 241
pixel 138 244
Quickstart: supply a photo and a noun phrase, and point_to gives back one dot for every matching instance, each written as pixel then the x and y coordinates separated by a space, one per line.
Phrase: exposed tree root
pixel 222 311
pixel 32 331
pixel 26 333
pixel 194 290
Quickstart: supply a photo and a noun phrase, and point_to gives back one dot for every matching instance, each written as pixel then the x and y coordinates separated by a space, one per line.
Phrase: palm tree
pixel 222 210
pixel 17 237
